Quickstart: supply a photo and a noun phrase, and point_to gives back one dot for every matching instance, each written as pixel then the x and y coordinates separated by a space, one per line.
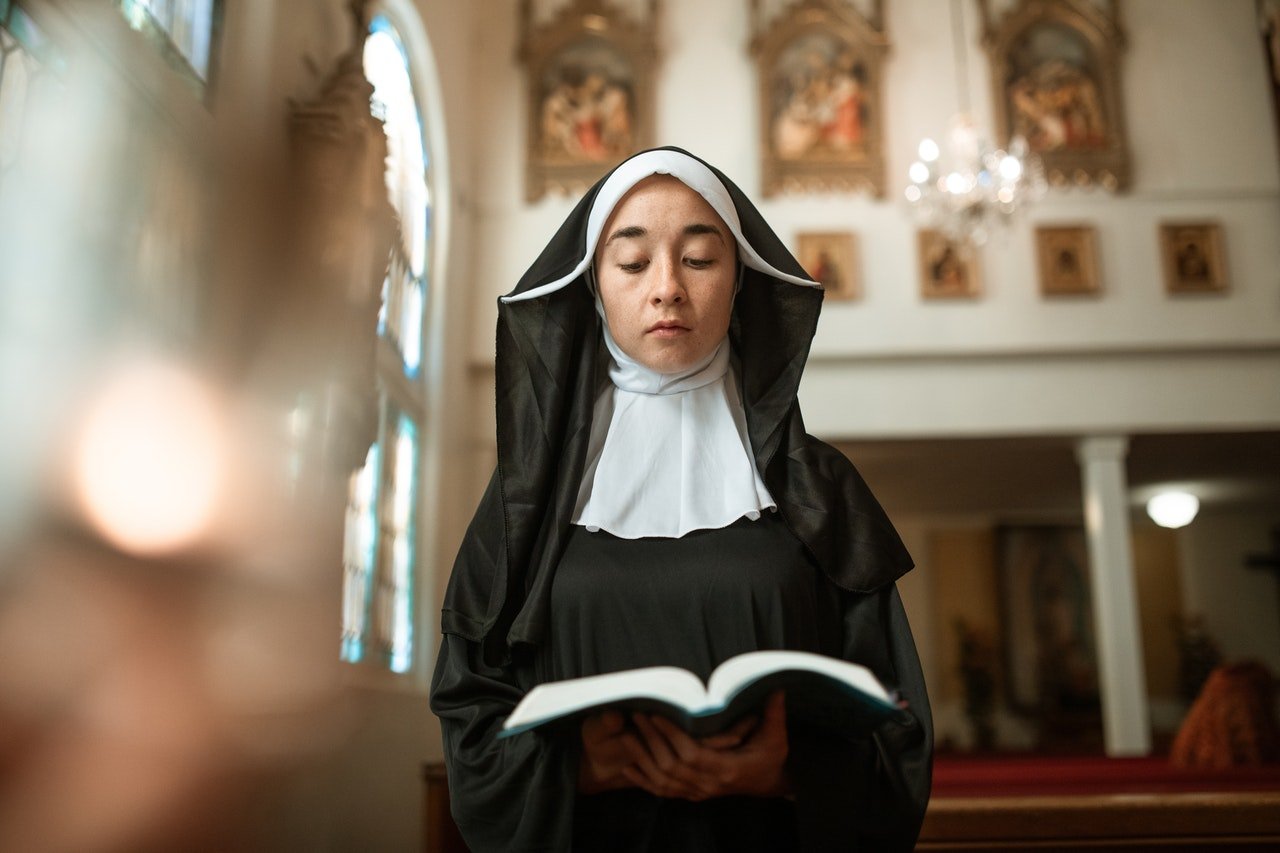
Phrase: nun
pixel 657 501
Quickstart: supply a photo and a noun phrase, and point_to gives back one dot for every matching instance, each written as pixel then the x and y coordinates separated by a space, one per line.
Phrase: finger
pixel 732 736
pixel 720 742
pixel 654 740
pixel 643 759
pixel 776 706
pixel 698 780
pixel 699 772
pixel 600 727
pixel 640 780
pixel 669 775
pixel 612 722
pixel 649 777
pixel 774 723
pixel 684 746
pixel 636 751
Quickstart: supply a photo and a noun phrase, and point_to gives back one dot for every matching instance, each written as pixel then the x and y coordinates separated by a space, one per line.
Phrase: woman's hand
pixel 673 764
pixel 607 748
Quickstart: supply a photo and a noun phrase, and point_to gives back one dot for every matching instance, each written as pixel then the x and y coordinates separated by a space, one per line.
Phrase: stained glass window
pixel 380 560
pixel 358 554
pixel 183 29
pixel 380 547
pixel 386 64
pixel 394 628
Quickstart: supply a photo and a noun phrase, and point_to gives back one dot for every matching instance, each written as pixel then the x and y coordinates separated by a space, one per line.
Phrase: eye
pixel 633 267
pixel 699 263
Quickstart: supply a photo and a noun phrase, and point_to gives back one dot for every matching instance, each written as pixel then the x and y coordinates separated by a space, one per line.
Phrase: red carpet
pixel 1029 776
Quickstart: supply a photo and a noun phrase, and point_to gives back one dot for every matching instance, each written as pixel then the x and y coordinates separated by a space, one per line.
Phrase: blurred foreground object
pixel 150 459
pixel 182 288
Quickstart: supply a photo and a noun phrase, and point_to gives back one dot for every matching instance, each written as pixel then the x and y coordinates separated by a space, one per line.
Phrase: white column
pixel 1126 722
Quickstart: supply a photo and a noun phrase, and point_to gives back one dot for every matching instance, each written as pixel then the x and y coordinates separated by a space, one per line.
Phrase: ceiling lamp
pixel 1173 509
pixel 966 188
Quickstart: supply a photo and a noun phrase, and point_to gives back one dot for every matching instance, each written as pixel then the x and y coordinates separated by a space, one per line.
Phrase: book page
pixel 667 683
pixel 735 673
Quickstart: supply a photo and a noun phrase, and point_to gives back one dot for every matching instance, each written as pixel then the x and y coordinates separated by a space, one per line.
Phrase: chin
pixel 668 359
pixel 670 365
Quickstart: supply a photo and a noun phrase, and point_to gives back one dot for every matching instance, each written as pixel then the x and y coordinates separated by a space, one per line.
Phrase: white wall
pixel 1203 146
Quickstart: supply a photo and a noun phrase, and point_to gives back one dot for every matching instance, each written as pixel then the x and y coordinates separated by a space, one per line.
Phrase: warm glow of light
pixel 918 172
pixel 1005 194
pixel 1173 509
pixel 928 150
pixel 149 459
pixel 957 184
pixel 913 193
pixel 1010 168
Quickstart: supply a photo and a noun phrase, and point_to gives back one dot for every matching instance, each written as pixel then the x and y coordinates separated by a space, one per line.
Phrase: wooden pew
pixel 1231 821
pixel 440 832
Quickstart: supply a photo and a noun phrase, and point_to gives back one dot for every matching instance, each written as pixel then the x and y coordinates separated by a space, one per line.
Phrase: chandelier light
pixel 968 187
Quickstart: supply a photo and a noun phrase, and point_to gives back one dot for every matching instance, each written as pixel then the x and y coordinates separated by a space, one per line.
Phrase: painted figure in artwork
pixel 1057 106
pixel 820 100
pixel 1053 93
pixel 586 109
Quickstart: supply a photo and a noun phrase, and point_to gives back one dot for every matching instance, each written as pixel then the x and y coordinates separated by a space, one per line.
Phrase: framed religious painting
pixel 1055 67
pixel 1046 610
pixel 1193 257
pixel 820 66
pixel 1067 258
pixel 589 72
pixel 949 268
pixel 831 258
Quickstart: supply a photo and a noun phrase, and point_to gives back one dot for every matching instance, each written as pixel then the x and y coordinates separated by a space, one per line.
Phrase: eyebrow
pixel 631 231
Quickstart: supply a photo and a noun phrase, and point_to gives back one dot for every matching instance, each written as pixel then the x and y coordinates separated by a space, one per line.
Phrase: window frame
pixel 162 43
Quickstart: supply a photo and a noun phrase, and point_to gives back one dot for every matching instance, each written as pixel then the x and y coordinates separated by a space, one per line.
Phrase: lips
pixel 667 327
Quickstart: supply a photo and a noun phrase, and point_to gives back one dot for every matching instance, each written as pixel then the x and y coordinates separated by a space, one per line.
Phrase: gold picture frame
pixel 1055 72
pixel 1193 257
pixel 831 258
pixel 1269 23
pixel 589 72
pixel 820 68
pixel 949 269
pixel 1067 258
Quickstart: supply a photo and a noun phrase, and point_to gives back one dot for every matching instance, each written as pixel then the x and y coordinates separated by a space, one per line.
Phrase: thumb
pixel 599 727
pixel 775 710
pixel 612 722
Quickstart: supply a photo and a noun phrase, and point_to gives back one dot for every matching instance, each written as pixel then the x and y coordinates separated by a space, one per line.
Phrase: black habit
pixel 533 598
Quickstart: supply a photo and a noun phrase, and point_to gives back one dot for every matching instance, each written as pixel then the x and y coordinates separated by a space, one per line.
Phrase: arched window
pixel 382 550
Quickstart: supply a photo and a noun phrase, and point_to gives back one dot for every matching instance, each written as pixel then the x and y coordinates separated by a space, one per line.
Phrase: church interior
pixel 250 257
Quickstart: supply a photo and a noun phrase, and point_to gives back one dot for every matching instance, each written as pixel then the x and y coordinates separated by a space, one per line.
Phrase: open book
pixel 820 690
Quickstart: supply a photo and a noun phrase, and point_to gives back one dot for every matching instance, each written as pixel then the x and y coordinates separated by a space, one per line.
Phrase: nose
pixel 668 288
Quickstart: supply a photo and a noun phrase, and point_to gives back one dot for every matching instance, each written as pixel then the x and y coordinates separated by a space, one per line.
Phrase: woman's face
pixel 666 271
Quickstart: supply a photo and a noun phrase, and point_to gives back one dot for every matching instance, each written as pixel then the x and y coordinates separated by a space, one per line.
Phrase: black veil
pixel 549 368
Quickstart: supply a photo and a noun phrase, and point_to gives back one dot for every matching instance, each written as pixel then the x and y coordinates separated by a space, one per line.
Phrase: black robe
pixel 519 793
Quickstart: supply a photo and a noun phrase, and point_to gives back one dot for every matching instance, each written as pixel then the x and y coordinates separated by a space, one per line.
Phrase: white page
pixel 733 673
pixel 559 698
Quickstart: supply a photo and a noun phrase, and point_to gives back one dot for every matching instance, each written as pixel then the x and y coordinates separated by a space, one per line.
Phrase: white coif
pixel 693 174
pixel 669 453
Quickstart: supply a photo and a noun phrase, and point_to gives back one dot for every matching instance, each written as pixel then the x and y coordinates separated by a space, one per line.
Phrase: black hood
pixel 551 365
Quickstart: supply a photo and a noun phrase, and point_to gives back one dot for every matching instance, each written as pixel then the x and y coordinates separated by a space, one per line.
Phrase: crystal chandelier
pixel 970 186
